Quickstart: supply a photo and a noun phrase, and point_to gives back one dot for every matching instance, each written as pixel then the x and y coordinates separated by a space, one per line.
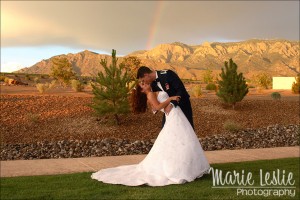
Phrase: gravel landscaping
pixel 272 136
pixel 52 126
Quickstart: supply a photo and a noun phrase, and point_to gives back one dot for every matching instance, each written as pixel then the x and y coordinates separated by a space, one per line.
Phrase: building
pixel 283 83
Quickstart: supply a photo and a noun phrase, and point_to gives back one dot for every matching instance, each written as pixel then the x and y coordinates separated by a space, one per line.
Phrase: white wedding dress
pixel 175 158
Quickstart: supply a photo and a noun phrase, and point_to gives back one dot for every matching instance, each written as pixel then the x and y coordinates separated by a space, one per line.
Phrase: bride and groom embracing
pixel 176 156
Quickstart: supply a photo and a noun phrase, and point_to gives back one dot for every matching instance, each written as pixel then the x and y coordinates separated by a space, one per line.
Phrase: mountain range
pixel 275 57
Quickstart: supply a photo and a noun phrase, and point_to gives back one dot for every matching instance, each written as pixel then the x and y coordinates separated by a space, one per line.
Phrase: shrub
pixel 42 88
pixel 52 84
pixel 62 70
pixel 43 76
pixel 33 117
pixel 196 91
pixel 296 85
pixel 2 78
pixel 276 95
pixel 89 84
pixel 77 85
pixel 36 80
pixel 27 77
pixel 211 86
pixel 263 80
pixel 231 126
pixel 84 81
pixel 207 76
pixel 131 64
pixel 6 80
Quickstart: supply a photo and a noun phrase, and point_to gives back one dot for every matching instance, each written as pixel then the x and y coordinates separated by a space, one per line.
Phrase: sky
pixel 35 30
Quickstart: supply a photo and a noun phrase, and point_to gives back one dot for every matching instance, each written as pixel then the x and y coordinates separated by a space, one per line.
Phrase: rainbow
pixel 154 24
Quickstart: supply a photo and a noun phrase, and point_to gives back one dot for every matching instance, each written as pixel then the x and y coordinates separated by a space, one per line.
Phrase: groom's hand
pixel 168 108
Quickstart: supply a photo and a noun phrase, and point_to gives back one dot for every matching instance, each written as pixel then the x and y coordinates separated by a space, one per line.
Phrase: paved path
pixel 92 164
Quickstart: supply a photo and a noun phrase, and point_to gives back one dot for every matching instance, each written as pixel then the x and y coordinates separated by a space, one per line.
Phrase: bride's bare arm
pixel 156 105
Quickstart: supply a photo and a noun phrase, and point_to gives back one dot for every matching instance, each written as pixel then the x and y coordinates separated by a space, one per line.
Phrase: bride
pixel 176 156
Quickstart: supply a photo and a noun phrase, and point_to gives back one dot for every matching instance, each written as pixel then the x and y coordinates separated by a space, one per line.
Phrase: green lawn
pixel 81 186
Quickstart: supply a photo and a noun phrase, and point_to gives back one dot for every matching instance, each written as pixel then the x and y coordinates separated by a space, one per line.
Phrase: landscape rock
pixel 271 136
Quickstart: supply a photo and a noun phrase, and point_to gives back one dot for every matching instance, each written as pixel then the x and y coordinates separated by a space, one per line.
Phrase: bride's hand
pixel 168 109
pixel 176 98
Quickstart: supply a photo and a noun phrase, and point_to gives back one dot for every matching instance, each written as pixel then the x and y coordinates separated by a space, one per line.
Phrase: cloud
pixel 98 25
pixel 21 29
pixel 11 66
pixel 127 25
pixel 231 20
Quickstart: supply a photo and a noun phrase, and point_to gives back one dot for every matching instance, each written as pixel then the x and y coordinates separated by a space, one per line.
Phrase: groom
pixel 168 81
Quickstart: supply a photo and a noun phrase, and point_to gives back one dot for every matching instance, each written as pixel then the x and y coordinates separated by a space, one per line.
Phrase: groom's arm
pixel 177 84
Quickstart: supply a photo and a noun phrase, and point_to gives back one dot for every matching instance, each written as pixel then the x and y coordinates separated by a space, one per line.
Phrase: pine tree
pixel 111 90
pixel 232 87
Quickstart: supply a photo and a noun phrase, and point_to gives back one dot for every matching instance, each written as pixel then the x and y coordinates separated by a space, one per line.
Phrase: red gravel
pixel 29 118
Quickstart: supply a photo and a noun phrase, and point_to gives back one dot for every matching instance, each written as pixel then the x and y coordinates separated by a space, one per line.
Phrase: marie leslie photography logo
pixel 276 183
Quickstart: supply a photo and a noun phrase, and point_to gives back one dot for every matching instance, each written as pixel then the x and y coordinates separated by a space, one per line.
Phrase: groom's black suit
pixel 172 84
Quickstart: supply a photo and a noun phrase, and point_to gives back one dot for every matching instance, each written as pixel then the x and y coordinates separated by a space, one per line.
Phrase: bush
pixel 2 78
pixel 42 88
pixel 207 76
pixel 6 80
pixel 211 86
pixel 52 84
pixel 276 95
pixel 43 76
pixel 84 81
pixel 196 91
pixel 62 70
pixel 296 85
pixel 36 80
pixel 27 77
pixel 263 80
pixel 32 117
pixel 231 126
pixel 77 85
pixel 89 85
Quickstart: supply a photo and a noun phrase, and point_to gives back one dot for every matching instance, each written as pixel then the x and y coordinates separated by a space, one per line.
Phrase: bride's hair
pixel 138 100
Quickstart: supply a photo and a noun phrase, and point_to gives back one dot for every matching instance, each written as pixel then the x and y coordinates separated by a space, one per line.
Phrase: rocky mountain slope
pixel 276 57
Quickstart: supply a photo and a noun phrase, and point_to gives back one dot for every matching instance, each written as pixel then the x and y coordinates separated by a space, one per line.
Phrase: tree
pixel 62 70
pixel 111 90
pixel 131 64
pixel 296 85
pixel 207 76
pixel 232 86
pixel 263 80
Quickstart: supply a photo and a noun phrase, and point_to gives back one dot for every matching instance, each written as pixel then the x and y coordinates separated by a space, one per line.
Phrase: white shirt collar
pixel 156 75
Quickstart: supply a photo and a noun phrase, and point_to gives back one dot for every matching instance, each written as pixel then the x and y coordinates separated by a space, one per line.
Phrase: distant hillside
pixel 85 63
pixel 277 57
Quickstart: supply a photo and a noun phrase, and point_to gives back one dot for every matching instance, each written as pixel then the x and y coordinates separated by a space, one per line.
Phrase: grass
pixel 81 186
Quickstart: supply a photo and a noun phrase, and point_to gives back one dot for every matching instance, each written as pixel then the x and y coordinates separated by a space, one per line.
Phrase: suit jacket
pixel 171 84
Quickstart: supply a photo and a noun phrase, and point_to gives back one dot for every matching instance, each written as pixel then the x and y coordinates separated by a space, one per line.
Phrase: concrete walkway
pixel 92 164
